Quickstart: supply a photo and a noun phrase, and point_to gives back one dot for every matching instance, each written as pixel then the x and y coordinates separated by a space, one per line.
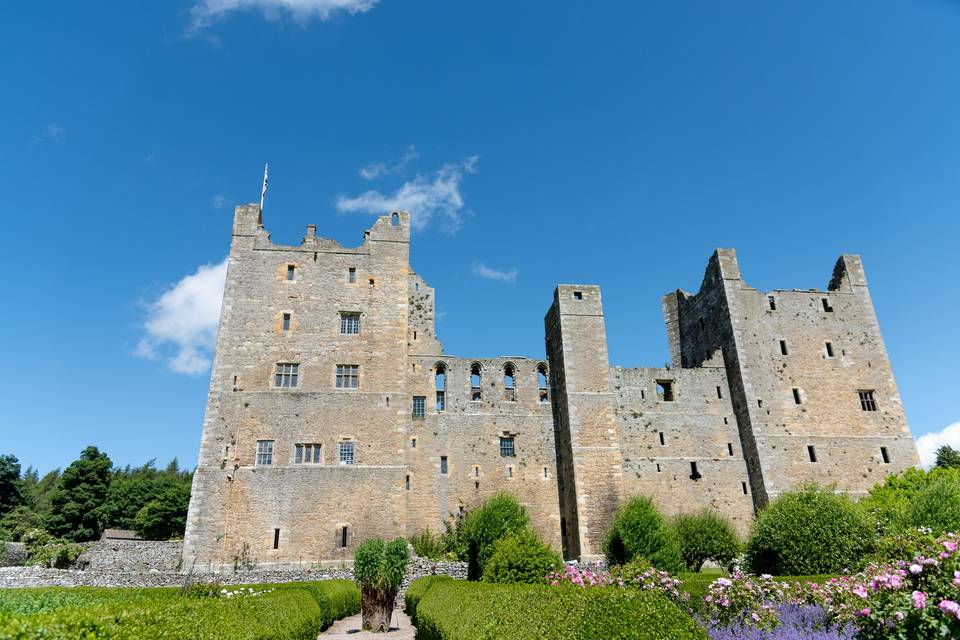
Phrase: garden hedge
pixel 459 610
pixel 286 612
pixel 417 589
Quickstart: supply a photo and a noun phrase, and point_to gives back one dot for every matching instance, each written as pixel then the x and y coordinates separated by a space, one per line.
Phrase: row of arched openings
pixel 476 382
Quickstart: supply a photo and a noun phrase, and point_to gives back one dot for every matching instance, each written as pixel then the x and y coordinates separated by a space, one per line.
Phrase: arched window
pixel 475 380
pixel 542 381
pixel 509 385
pixel 395 219
pixel 440 381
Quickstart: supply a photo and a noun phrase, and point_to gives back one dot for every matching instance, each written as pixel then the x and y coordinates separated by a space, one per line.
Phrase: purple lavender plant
pixel 797 622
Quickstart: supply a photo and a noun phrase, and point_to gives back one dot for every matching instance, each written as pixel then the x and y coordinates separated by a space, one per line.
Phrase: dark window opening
pixel 413 443
pixel 408 483
pixel 509 472
pixel 663 441
pixel 291 271
pixel 371 282
pixel 414 335
pixel 885 455
pixel 730 448
pixel 826 305
pixel 658 467
pixel 725 420
pixel 276 538
pixel 868 401
pixel 719 393
pixel 665 390
pixel 743 487
pixel 443 465
pixel 475 380
pixel 759 403
pixel 578 295
pixel 286 322
pixel 351 275
pixel 545 473
pixel 783 348
pixel 343 537
pixel 812 453
pixel 694 474
pixel 773 303
pixel 796 397
pixel 507 447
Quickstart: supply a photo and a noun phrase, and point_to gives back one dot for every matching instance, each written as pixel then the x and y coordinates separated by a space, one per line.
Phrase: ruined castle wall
pixel 660 437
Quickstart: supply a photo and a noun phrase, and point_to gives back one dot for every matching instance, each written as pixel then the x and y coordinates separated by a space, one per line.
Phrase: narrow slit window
pixel 829 349
pixel 797 398
pixel 276 538
pixel 783 348
pixel 408 483
pixel 663 440
pixel 743 487
pixel 413 443
pixel 885 455
pixel 475 381
pixel 509 383
pixel 658 467
pixel 286 322
pixel 352 275
pixel 542 382
pixel 811 453
pixel 719 393
pixel 826 305
pixel 443 465
pixel 343 537
pixel 694 473
pixel 773 303
pixel 730 448
pixel 291 272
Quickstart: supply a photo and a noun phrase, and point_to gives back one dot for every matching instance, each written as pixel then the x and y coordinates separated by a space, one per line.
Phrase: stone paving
pixel 349 628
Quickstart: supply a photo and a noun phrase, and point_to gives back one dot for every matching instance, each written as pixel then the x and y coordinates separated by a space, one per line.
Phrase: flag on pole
pixel 266 172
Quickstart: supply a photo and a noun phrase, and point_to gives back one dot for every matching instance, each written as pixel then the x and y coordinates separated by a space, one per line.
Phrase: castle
pixel 335 415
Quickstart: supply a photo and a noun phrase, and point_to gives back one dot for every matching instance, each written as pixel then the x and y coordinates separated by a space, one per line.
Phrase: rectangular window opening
pixel 291 271
pixel 287 374
pixel 419 403
pixel 351 275
pixel 826 305
pixel 797 399
pixel 665 390
pixel 885 455
pixel 510 472
pixel 348 376
pixel 286 322
pixel 408 483
pixel 276 538
pixel 694 474
pixel 719 393
pixel 443 465
pixel 441 401
pixel 730 448
pixel 658 467
pixel 413 443
pixel 343 537
pixel 578 295
pixel 829 350
pixel 346 453
pixel 264 452
pixel 868 402
pixel 507 447
pixel 743 487
pixel 663 440
pixel 349 323
pixel 773 303
pixel 783 348
pixel 812 453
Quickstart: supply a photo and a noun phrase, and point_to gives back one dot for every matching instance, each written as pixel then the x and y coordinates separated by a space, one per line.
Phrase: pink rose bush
pixel 631 576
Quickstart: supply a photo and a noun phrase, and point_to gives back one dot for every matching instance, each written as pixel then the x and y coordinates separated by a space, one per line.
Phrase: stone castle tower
pixel 335 415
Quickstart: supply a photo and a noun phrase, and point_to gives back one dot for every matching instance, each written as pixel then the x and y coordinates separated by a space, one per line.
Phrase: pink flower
pixel 915 569
pixel 950 608
pixel 863 613
pixel 899 615
pixel 919 599
pixel 860 591
pixel 950 545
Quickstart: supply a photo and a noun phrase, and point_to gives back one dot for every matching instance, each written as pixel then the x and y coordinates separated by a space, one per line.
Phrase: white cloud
pixel 928 443
pixel 376 169
pixel 482 270
pixel 51 133
pixel 219 201
pixel 205 12
pixel 430 200
pixel 181 325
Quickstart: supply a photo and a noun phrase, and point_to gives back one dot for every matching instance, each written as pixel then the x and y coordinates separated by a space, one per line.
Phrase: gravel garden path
pixel 349 629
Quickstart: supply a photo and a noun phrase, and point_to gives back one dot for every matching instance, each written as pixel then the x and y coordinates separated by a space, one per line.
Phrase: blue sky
pixel 539 142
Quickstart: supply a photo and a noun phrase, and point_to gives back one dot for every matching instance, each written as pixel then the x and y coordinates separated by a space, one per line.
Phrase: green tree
pixel 379 569
pixel 706 536
pixel 43 492
pixel 498 517
pixel 522 558
pixel 75 503
pixel 165 516
pixel 17 522
pixel 639 531
pixel 131 489
pixel 810 531
pixel 948 457
pixel 11 494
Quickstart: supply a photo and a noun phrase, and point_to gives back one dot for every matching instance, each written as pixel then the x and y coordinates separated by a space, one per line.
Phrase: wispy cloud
pixel 430 200
pixel 928 443
pixel 219 201
pixel 181 324
pixel 482 270
pixel 206 12
pixel 51 133
pixel 376 169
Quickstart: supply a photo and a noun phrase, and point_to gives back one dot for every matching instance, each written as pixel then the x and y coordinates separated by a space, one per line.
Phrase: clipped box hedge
pixel 295 611
pixel 417 589
pixel 458 610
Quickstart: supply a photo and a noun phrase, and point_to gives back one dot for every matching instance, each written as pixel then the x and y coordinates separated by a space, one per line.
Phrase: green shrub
pixel 294 611
pixel 498 517
pixel 706 536
pixel 639 531
pixel 809 531
pixel 937 507
pixel 521 558
pixel 916 498
pixel 427 545
pixel 458 610
pixel 379 568
pixel 46 551
pixel 907 544
pixel 417 589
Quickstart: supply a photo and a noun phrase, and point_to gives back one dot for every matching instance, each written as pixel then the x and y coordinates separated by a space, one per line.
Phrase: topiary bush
pixel 706 535
pixel 498 517
pixel 639 531
pixel 809 531
pixel 417 589
pixel 379 568
pixel 521 558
